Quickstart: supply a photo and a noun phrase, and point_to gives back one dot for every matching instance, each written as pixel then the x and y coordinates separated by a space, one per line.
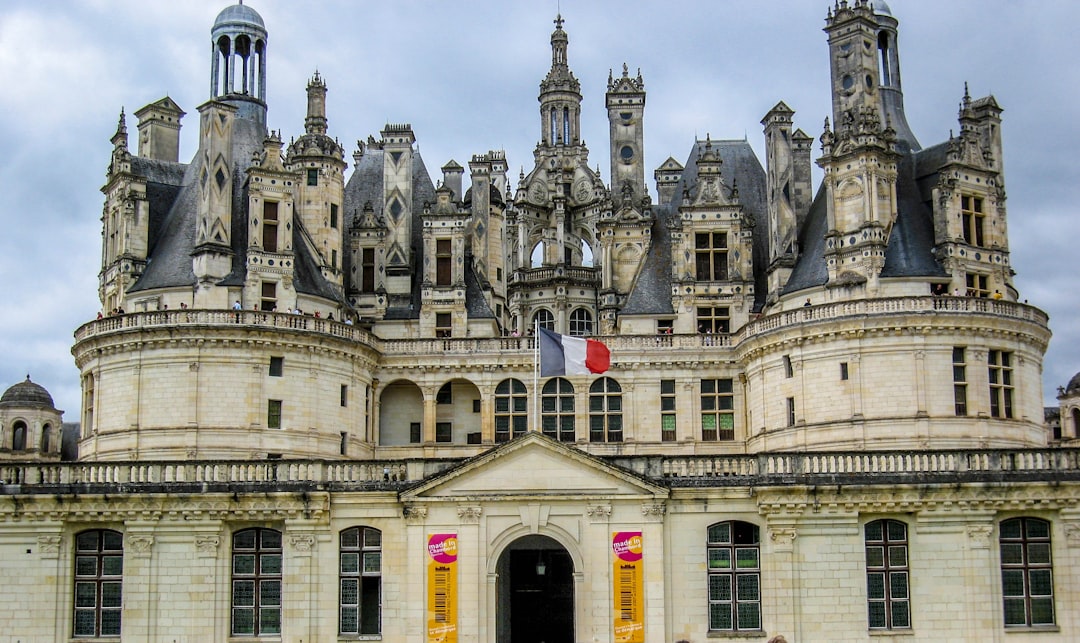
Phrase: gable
pixel 534 465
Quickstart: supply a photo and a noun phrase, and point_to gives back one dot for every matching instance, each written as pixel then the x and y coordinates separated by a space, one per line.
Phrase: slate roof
pixel 651 294
pixel 173 194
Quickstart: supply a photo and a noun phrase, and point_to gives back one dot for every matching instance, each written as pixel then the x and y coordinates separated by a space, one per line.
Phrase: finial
pixel 558 21
pixel 625 71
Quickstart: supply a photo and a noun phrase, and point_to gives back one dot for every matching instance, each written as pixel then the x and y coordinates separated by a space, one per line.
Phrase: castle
pixel 312 409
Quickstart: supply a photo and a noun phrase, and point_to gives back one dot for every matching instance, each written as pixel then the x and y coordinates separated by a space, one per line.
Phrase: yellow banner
pixel 629 587
pixel 442 588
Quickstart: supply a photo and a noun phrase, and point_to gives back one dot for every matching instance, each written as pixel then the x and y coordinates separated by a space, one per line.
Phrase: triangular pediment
pixel 534 465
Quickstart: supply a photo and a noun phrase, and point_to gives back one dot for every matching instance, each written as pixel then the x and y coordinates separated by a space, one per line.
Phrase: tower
pixel 625 101
pixel 560 96
pixel 238 60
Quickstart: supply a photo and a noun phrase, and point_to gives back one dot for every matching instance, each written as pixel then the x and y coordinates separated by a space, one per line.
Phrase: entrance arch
pixel 535 592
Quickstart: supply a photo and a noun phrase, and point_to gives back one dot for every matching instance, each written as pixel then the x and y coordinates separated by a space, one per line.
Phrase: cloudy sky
pixel 465 74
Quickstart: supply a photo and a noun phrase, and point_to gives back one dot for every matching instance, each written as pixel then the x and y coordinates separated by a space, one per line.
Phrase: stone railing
pixel 892 306
pixel 225 318
pixel 547 273
pixel 864 467
pixel 858 467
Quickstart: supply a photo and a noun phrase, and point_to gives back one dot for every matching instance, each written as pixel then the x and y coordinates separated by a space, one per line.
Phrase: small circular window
pixel 626 152
pixel 847 82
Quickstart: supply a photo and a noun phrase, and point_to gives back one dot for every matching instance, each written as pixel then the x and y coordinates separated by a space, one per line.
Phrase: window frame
pixel 558 409
pixel 668 411
pixel 511 409
pixel 717 396
pixel 733 548
pixel 960 383
pixel 893 563
pixel 605 410
pixel 1025 541
pixel 545 319
pixel 711 256
pixel 1000 382
pixel 99 579
pixel 715 320
pixel 364 550
pixel 581 322
pixel 973 220
pixel 259 578
pixel 274 412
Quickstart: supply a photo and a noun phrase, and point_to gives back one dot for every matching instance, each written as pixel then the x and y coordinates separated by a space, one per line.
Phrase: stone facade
pixel 312 412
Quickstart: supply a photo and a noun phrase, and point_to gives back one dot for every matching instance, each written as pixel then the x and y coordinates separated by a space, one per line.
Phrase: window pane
pixel 85 623
pixel 243 620
pixel 900 615
pixel 1012 582
pixel 87 541
pixel 85 594
pixel 270 564
pixel 270 539
pixel 875 586
pixel 372 562
pixel 243 563
pixel 898 584
pixel 110 623
pixel 112 565
pixel 1037 528
pixel 244 540
pixel 350 538
pixel 746 586
pixel 270 592
pixel 350 591
pixel 1012 553
pixel 110 594
pixel 746 558
pixel 873 531
pixel 719 559
pixel 350 618
pixel 720 533
pixel 875 556
pixel 720 616
pixel 270 620
pixel 877 614
pixel 1014 612
pixel 720 587
pixel 112 541
pixel 350 563
pixel 1041 584
pixel 1038 553
pixel 243 593
pixel 86 566
pixel 749 616
pixel 898 556
pixel 1042 611
pixel 897 530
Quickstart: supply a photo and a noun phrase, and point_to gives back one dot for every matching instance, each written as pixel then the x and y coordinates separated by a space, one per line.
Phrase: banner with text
pixel 628 579
pixel 442 588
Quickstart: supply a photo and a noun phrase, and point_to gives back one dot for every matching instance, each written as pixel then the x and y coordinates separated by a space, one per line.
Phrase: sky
pixel 465 75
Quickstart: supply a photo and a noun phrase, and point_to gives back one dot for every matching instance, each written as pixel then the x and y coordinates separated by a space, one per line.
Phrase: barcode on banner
pixel 626 595
pixel 442 602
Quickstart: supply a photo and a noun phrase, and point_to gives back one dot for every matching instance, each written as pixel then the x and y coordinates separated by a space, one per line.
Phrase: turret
pixel 625 101
pixel 560 96
pixel 238 61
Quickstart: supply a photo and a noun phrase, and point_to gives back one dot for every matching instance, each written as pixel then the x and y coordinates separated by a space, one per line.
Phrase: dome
pixel 26 394
pixel 881 8
pixel 239 16
pixel 1071 388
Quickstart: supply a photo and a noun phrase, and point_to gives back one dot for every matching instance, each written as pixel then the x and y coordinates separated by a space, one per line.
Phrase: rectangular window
pixel 667 410
pixel 415 436
pixel 959 375
pixel 333 216
pixel 277 366
pixel 367 268
pixel 444 262
pixel 333 259
pixel 313 176
pixel 717 410
pixel 1027 573
pixel 360 569
pixel 791 411
pixel 256 582
pixel 843 370
pixel 714 320
pixel 977 285
pixel 344 394
pixel 344 445
pixel 887 575
pixel 270 226
pixel 788 371
pixel 971 212
pixel 444 432
pixel 99 569
pixel 269 296
pixel 710 255
pixel 443 325
pixel 273 414
pixel 1001 384
pixel 445 394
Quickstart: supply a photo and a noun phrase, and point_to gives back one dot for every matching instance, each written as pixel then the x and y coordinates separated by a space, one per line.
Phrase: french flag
pixel 563 355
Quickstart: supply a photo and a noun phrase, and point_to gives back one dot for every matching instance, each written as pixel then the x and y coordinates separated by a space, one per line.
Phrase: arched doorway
pixel 535 592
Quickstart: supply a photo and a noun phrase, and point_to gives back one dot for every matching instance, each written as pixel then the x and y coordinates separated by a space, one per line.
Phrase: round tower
pixel 238 60
pixel 29 423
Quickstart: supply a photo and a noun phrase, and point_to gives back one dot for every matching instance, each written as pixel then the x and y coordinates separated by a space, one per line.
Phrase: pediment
pixel 534 465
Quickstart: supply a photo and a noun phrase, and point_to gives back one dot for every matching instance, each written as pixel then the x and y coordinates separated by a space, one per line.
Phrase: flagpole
pixel 536 374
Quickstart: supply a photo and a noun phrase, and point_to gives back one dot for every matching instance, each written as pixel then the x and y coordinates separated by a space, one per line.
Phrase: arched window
pixel 360 584
pixel 46 437
pixel 734 577
pixel 536 258
pixel 544 319
pixel 256 582
pixel 586 254
pixel 581 322
pixel 557 409
pixel 18 436
pixel 99 570
pixel 887 579
pixel 1076 423
pixel 566 125
pixel 511 410
pixel 605 411
pixel 1027 574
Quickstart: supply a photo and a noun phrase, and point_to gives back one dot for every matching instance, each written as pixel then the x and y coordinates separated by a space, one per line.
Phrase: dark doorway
pixel 538 595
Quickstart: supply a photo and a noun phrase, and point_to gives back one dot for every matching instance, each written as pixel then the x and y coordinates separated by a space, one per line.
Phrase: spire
pixel 315 123
pixel 120 138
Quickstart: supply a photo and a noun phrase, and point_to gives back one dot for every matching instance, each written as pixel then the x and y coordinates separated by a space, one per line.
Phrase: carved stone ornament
pixel 599 513
pixel 49 546
pixel 302 544
pixel 783 537
pixel 979 535
pixel 1072 534
pixel 207 546
pixel 469 515
pixel 140 545
pixel 415 514
pixel 653 513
